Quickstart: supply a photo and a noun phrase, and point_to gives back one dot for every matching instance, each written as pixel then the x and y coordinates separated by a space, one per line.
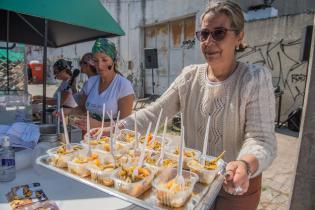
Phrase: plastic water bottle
pixel 7 161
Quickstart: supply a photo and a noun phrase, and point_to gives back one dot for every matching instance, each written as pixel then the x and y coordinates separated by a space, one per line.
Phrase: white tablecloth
pixel 67 193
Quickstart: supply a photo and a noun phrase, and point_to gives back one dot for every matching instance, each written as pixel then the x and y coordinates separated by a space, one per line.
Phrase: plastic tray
pixel 202 197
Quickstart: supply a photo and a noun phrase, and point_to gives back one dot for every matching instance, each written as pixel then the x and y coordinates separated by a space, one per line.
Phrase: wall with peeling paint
pixel 134 17
pixel 273 42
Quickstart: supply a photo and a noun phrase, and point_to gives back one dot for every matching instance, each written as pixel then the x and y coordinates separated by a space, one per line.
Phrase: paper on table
pixel 25 131
pixel 21 134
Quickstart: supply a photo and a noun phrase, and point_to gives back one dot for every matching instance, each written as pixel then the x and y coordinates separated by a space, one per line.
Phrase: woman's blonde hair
pixel 230 9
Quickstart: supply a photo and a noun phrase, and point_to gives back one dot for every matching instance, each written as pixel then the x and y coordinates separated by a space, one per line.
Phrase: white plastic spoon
pixel 88 128
pixel 163 143
pixel 205 143
pixel 102 127
pixel 157 127
pixel 140 162
pixel 65 130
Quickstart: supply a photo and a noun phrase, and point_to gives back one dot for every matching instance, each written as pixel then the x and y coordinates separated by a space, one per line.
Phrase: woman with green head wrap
pixel 109 87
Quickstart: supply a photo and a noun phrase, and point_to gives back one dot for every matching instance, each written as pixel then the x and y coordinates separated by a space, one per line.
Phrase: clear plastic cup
pixel 167 190
pixel 95 142
pixel 129 187
pixel 127 136
pixel 151 162
pixel 189 154
pixel 156 147
pixel 206 174
pixel 101 170
pixel 131 157
pixel 60 161
pixel 78 163
pixel 104 148
pixel 169 163
pixel 61 150
pixel 59 157
pixel 94 132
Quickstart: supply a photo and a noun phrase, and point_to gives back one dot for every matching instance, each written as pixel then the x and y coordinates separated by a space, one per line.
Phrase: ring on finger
pixel 238 190
pixel 229 191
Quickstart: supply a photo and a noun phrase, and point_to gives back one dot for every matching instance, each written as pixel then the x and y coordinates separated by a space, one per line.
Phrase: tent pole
pixel 44 71
pixel 8 33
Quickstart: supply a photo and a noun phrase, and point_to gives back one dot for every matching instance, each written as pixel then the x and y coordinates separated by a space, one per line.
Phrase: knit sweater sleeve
pixel 259 135
pixel 169 101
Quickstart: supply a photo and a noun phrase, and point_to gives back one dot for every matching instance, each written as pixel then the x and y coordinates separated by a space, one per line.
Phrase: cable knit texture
pixel 242 110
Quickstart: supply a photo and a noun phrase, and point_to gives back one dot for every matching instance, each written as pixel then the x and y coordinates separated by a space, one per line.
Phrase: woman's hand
pixel 66 112
pixel 37 97
pixel 237 178
pixel 81 123
pixel 37 101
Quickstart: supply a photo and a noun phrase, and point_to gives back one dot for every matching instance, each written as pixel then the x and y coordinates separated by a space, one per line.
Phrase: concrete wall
pixel 284 7
pixel 134 17
pixel 276 44
pixel 303 191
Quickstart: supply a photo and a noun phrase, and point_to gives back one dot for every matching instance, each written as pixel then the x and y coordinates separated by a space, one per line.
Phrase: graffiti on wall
pixel 289 74
pixel 188 44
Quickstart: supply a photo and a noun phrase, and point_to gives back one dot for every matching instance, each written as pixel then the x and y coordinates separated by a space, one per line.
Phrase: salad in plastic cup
pixel 105 148
pixel 94 142
pixel 101 170
pixel 94 132
pixel 59 156
pixel 189 154
pixel 126 182
pixel 169 192
pixel 127 136
pixel 156 145
pixel 207 172
pixel 78 163
pixel 152 163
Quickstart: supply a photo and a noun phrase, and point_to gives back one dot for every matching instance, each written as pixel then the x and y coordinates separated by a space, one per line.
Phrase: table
pixel 67 193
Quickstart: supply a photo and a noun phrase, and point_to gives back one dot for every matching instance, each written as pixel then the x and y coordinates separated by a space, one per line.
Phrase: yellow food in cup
pixel 126 174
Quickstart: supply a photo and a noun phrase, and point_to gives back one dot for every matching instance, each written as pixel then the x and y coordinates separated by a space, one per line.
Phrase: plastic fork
pixel 205 143
pixel 156 127
pixel 140 162
pixel 179 177
pixel 89 154
pixel 112 143
pixel 136 134
pixel 116 125
pixel 163 144
pixel 68 145
pixel 58 110
pixel 102 127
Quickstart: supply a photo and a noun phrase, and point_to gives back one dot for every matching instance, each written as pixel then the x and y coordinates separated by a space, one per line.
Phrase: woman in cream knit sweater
pixel 238 96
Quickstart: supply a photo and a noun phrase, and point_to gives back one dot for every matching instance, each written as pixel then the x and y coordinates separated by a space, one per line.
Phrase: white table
pixel 67 193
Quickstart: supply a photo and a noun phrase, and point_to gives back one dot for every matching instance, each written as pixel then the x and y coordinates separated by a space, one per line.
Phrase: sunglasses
pixel 217 34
